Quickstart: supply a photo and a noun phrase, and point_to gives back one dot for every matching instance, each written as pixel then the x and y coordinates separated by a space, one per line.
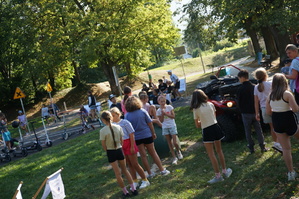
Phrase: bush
pixel 222 44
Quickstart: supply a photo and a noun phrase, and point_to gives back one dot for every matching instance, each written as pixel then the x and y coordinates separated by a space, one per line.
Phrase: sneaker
pixel 126 195
pixel 175 161
pixel 180 155
pixel 136 184
pixel 215 179
pixel 292 175
pixel 151 175
pixel 165 172
pixel 229 171
pixel 144 184
pixel 277 147
pixel 135 193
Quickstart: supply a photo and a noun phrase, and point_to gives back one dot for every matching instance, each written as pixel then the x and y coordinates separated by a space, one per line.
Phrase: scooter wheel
pixel 8 158
pixel 49 144
pixel 39 147
pixel 65 136
pixel 24 152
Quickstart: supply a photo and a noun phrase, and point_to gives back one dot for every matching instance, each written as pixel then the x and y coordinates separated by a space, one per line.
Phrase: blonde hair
pixel 116 111
pixel 261 75
pixel 279 86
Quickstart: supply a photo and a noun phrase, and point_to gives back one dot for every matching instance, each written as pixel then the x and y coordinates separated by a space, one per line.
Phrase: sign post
pixel 180 51
pixel 49 89
pixel 19 94
pixel 116 80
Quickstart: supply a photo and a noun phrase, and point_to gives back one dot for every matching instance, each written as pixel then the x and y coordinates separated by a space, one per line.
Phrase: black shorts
pixel 114 155
pixel 284 122
pixel 148 140
pixel 212 133
pixel 177 85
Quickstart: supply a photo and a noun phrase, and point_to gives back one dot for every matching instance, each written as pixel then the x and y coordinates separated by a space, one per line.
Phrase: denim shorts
pixel 169 131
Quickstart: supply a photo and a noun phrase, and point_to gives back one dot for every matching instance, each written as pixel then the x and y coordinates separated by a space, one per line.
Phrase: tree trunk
pixel 269 42
pixel 107 67
pixel 253 36
pixel 77 74
pixel 129 71
pixel 282 40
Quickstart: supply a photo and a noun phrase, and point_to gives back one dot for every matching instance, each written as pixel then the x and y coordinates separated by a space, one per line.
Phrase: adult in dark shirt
pixel 245 100
pixel 162 86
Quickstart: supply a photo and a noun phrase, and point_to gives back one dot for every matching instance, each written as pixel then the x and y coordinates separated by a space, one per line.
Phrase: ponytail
pixel 106 115
pixel 261 76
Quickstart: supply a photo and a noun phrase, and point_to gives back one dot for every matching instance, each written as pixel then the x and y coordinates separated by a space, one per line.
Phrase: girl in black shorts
pixel 282 105
pixel 111 138
pixel 204 117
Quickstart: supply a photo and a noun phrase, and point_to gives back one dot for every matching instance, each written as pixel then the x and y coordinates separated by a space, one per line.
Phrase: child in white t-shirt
pixel 166 116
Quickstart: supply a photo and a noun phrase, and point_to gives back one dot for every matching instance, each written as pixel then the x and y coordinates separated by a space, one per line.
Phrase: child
pixel 83 113
pixel 162 86
pixel 129 148
pixel 166 116
pixel 261 92
pixel 286 69
pixel 292 53
pixel 127 93
pixel 3 129
pixel 22 121
pixel 151 109
pixel 282 105
pixel 144 134
pixel 111 138
pixel 245 96
pixel 204 117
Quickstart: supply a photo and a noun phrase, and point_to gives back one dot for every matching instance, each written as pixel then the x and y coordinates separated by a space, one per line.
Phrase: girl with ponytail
pixel 261 92
pixel 111 138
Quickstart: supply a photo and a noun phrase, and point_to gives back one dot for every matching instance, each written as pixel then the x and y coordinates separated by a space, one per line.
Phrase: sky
pixel 175 4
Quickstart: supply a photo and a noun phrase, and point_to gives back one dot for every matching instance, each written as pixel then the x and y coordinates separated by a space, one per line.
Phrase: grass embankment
pixel 86 173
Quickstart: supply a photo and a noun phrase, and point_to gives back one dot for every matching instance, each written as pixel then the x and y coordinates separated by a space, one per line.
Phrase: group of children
pixel 273 100
pixel 123 138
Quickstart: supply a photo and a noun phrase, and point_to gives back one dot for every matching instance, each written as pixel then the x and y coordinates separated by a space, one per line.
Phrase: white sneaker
pixel 151 175
pixel 144 184
pixel 292 175
pixel 175 161
pixel 277 147
pixel 136 185
pixel 180 156
pixel 229 171
pixel 215 179
pixel 165 172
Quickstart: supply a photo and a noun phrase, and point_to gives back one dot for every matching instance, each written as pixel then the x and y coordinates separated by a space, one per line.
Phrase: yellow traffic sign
pixel 19 94
pixel 49 87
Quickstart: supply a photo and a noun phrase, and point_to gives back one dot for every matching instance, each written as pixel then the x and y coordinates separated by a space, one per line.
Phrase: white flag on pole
pixel 55 185
pixel 19 194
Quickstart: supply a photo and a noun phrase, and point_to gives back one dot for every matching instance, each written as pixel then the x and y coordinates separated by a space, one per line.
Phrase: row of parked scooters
pixel 19 147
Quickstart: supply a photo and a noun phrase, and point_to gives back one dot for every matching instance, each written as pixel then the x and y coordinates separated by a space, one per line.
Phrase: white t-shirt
pixel 263 95
pixel 206 114
pixel 174 78
pixel 168 122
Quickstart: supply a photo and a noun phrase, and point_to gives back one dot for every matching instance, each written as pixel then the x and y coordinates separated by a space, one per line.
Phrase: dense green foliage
pixel 210 21
pixel 59 41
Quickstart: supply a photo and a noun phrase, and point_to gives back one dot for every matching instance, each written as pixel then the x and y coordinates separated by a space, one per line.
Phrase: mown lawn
pixel 86 173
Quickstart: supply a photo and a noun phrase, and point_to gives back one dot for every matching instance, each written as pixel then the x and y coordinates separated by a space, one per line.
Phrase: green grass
pixel 86 173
